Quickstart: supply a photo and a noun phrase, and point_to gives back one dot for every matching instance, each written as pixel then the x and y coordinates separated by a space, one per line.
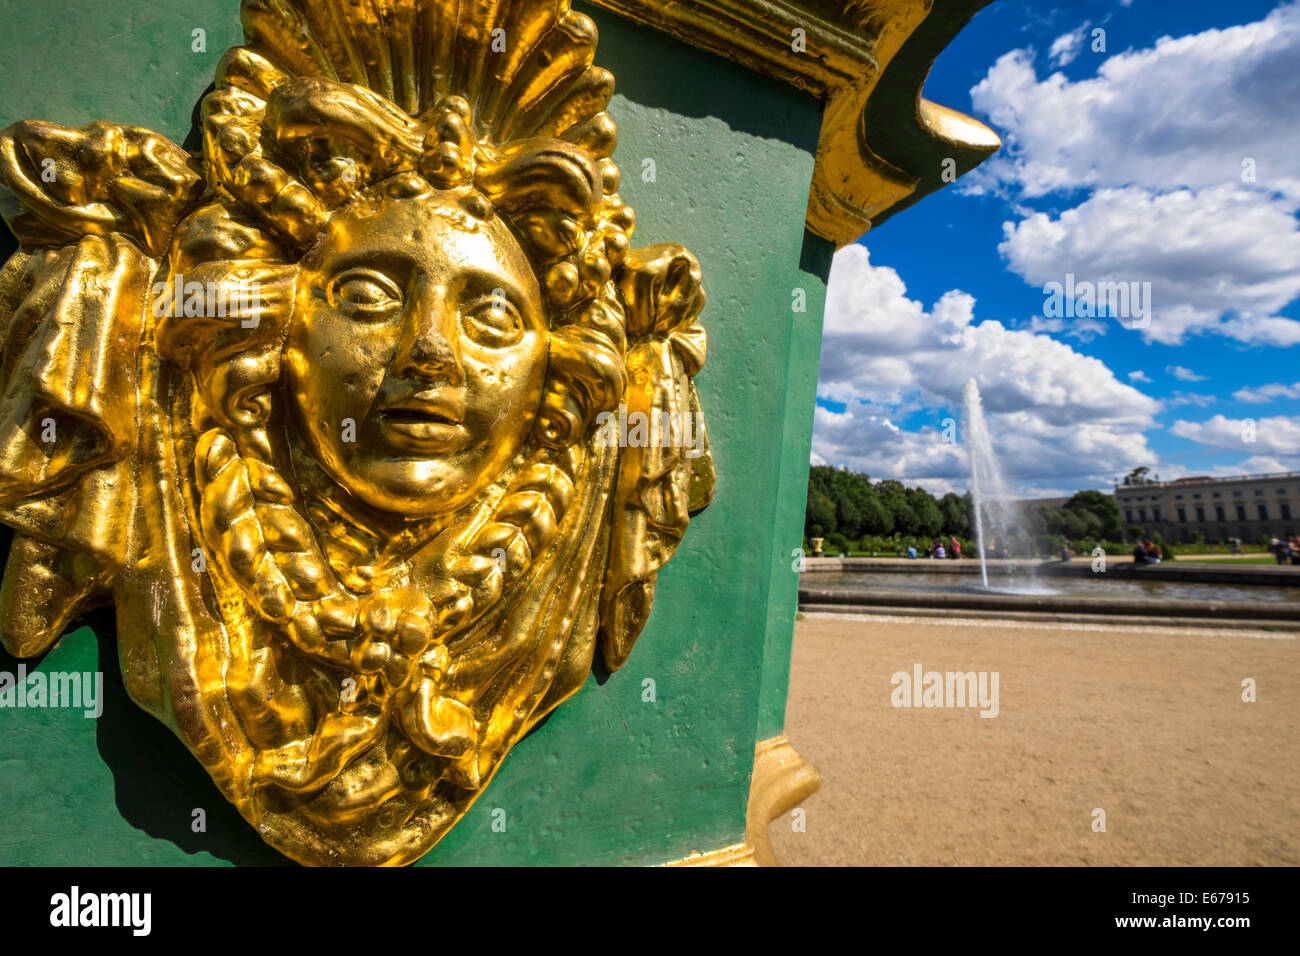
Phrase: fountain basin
pixel 849 598
pixel 1281 576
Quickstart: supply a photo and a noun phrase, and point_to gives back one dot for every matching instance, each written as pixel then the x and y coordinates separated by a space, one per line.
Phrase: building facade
pixel 1249 507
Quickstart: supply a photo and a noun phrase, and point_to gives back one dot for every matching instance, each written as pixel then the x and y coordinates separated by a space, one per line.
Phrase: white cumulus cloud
pixel 1054 413
pixel 1221 260
pixel 1183 374
pixel 1066 47
pixel 1187 159
pixel 1277 436
pixel 1267 393
pixel 1186 112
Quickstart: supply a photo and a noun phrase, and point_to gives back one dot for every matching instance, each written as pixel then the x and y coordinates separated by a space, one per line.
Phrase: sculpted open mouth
pixel 423 425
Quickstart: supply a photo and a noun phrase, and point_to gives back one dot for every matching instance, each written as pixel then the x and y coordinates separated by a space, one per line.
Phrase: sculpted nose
pixel 428 346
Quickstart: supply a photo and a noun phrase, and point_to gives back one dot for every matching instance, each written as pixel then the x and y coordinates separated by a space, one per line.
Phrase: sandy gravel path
pixel 1148 725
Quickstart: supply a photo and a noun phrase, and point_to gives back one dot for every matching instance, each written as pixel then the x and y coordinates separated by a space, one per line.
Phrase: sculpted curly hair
pixel 286 153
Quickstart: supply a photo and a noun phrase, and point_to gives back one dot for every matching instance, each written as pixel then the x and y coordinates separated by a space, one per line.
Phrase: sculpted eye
pixel 364 294
pixel 492 321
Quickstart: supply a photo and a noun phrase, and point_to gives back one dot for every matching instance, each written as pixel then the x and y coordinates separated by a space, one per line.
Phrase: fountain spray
pixel 994 511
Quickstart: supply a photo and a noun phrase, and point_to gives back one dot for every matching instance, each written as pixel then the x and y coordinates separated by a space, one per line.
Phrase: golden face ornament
pixel 319 410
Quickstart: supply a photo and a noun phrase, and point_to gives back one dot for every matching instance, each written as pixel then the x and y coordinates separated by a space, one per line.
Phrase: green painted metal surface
pixel 611 777
pixel 796 446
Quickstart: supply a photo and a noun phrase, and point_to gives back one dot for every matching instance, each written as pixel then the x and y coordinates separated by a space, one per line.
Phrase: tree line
pixel 848 504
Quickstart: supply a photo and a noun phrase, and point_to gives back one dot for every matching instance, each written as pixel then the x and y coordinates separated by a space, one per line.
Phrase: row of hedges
pixel 1044 546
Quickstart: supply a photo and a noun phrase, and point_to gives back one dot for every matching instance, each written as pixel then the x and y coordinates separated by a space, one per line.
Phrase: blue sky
pixel 1171 158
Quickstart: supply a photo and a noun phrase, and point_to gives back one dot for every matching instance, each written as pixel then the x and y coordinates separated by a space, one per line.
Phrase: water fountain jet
pixel 994 511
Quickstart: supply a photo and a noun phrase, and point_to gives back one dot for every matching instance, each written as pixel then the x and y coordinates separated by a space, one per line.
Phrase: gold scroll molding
pixel 882 145
pixel 782 780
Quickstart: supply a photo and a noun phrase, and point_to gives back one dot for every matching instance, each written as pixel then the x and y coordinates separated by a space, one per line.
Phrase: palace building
pixel 1249 507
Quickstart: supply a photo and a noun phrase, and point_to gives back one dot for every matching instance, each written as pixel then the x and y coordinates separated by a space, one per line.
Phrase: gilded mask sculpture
pixel 324 410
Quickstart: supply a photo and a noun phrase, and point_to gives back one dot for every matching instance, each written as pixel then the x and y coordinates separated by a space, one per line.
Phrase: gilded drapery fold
pixel 93 207
pixel 668 476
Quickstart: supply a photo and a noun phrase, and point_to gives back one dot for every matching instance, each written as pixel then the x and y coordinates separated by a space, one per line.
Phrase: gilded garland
pixel 319 410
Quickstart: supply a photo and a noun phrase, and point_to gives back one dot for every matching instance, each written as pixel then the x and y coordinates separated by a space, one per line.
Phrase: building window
pixel 1218 513
pixel 1263 512
pixel 1155 514
pixel 1286 511
pixel 1128 515
pixel 1179 497
pixel 1218 495
pixel 1142 515
pixel 1182 514
pixel 1236 494
pixel 1258 492
pixel 1200 512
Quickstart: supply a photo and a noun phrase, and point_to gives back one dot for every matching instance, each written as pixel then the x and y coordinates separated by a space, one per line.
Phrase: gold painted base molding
pixel 782 780
pixel 738 854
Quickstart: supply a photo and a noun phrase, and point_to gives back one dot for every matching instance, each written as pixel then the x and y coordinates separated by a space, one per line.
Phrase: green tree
pixel 846 491
pixel 929 519
pixel 1100 512
pixel 1072 524
pixel 893 496
pixel 956 514
pixel 876 518
pixel 819 519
